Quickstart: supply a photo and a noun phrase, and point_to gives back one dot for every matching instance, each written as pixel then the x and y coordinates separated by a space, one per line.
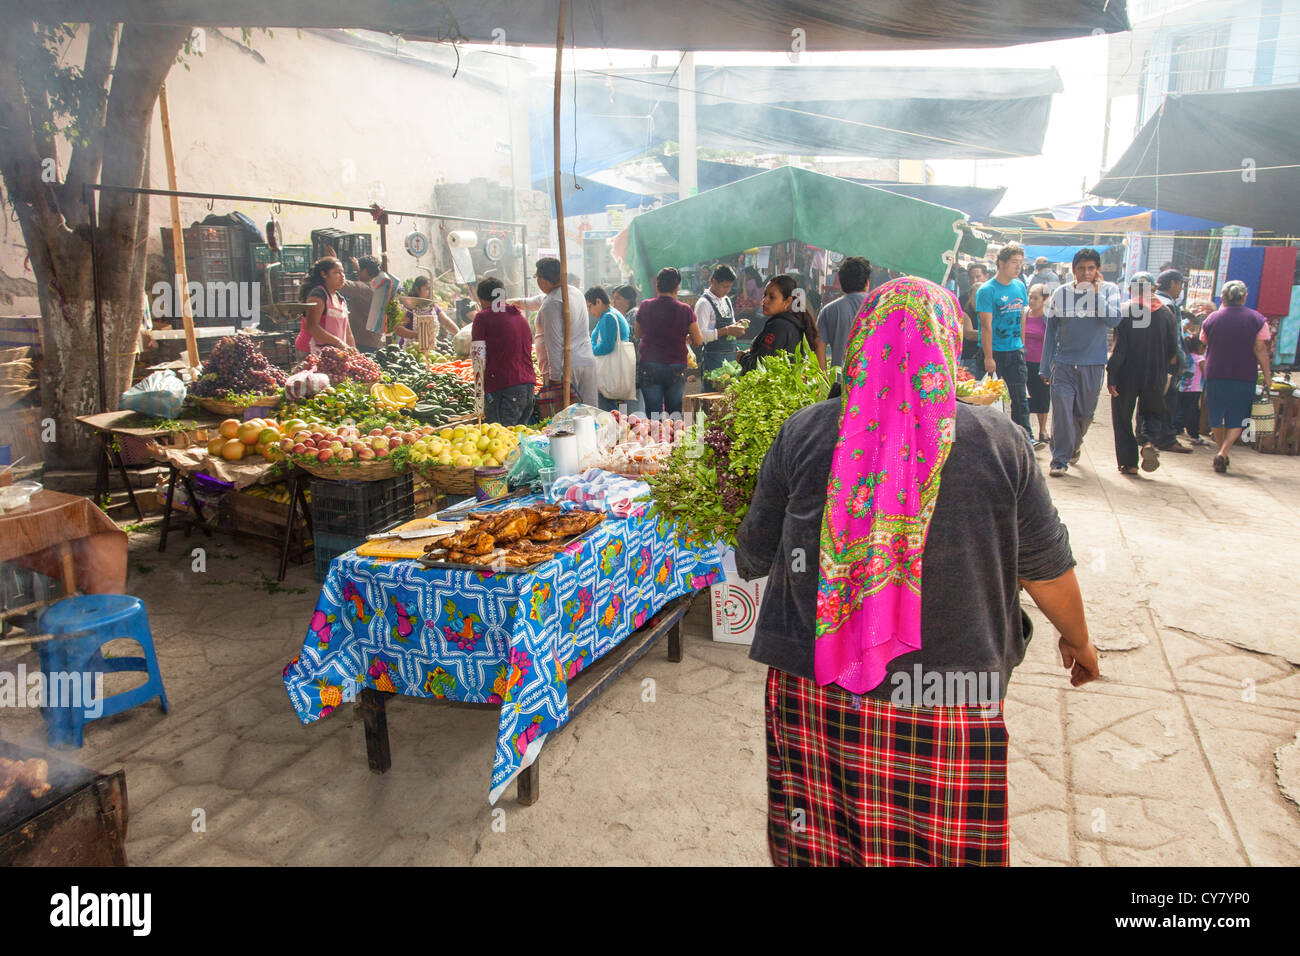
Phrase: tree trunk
pixel 58 239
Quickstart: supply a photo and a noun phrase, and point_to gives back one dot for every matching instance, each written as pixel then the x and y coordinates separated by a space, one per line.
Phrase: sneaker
pixel 1150 457
pixel 1057 471
pixel 1078 453
pixel 1200 443
pixel 1040 443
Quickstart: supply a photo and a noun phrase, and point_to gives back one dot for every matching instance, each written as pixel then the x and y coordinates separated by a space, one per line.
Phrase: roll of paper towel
pixel 462 239
pixel 585 431
pixel 564 449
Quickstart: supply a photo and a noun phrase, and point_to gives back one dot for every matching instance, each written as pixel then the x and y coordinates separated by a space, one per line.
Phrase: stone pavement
pixel 1187 752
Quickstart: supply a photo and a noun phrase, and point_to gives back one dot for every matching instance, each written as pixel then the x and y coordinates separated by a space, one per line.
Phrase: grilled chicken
pixel 32 775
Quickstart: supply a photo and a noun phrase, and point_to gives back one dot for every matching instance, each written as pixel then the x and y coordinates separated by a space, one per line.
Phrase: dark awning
pixel 659 25
pixel 977 202
pixel 1226 155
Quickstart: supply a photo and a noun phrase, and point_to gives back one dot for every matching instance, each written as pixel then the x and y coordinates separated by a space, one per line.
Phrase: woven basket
pixel 980 399
pixel 447 480
pixel 17 372
pixel 218 406
pixel 347 470
pixel 12 394
pixel 14 355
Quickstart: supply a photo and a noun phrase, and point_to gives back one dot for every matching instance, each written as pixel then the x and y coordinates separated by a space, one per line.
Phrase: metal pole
pixel 559 201
pixel 686 168
pixel 99 301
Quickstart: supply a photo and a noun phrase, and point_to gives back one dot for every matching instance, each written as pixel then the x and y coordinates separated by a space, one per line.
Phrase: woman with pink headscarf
pixel 885 739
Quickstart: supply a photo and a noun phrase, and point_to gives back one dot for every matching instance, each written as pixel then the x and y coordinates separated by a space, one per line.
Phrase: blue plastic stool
pixel 87 623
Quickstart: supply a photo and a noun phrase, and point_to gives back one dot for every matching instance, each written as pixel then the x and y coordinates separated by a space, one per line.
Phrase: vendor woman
pixel 421 288
pixel 326 321
pixel 885 739
pixel 509 379
pixel 786 323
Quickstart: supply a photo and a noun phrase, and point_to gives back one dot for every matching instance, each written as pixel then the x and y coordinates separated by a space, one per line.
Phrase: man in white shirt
pixel 550 332
pixel 716 317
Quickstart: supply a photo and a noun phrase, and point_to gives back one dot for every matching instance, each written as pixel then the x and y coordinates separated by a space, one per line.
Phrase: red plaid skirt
pixel 854 781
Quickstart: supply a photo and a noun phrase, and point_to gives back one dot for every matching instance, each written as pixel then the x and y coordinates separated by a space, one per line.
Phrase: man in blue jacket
pixel 1074 354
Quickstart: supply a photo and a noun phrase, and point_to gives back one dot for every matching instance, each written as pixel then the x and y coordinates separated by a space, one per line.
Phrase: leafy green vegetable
pixel 708 481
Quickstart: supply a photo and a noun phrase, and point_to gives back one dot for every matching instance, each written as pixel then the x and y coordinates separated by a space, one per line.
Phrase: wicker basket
pixel 17 372
pixel 14 355
pixel 447 480
pixel 12 394
pixel 980 399
pixel 218 406
pixel 348 470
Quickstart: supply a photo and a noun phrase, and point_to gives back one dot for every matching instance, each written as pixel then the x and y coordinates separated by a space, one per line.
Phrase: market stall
pixel 491 636
pixel 65 537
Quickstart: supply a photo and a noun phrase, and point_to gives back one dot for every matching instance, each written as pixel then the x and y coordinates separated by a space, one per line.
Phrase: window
pixel 1196 60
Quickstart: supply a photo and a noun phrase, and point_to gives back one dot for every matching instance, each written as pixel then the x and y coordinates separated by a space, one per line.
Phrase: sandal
pixel 1127 470
pixel 1221 464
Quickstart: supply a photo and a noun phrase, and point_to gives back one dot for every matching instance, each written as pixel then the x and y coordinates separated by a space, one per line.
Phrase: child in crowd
pixel 1190 387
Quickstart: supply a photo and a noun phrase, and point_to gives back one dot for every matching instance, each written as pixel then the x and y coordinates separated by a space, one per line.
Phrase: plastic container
pixel 358 508
pixel 18 495
pixel 490 483
pixel 330 546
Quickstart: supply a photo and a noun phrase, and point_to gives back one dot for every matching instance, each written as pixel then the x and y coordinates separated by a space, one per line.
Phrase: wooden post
pixel 559 202
pixel 178 237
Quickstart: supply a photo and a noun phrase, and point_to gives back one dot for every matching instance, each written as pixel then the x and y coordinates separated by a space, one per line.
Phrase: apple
pixel 394 442
pixel 389 430
pixel 336 445
pixel 381 452
pixel 308 443
pixel 376 431
pixel 324 454
pixel 300 449
pixel 286 444
pixel 366 454
pixel 317 436
pixel 378 443
pixel 346 454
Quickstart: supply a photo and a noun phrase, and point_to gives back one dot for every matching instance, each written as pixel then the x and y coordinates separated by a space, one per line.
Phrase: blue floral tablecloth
pixel 478 636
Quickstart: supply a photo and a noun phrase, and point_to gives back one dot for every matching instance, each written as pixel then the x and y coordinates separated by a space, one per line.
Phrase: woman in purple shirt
pixel 663 325
pixel 1237 337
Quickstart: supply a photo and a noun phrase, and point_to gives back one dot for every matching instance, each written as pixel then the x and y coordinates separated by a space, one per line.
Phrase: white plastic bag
pixel 159 395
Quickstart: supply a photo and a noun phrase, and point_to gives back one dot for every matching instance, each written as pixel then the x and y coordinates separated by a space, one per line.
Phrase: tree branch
pixel 20 157
pixel 84 165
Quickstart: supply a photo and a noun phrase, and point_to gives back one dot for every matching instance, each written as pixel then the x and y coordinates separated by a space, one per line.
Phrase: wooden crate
pixel 1285 439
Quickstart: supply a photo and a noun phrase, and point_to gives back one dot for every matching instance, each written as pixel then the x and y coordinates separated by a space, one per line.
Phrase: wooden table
pixel 583 691
pixel 109 426
pixel 700 401
pixel 65 537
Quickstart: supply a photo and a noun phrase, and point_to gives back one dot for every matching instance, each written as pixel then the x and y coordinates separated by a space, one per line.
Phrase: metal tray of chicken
pixel 493 560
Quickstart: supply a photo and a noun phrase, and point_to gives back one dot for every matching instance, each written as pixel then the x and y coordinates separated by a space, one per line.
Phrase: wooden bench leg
pixel 375 717
pixel 675 642
pixel 530 780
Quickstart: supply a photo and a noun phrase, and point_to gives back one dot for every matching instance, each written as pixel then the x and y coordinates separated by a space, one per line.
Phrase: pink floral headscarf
pixel 896 429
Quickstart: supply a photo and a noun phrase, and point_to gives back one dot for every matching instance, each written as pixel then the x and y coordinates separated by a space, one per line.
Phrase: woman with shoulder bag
pixel 611 341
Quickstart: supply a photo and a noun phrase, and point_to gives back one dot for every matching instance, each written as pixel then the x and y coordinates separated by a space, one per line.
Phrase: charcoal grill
pixel 80 821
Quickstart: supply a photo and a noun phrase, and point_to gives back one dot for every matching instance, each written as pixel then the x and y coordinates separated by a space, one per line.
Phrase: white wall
pixel 324 116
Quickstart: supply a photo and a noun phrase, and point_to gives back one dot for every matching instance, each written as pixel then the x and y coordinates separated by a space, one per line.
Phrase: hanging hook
pixel 210 202
pixel 336 213
pixel 13 216
pixel 399 220
pixel 276 208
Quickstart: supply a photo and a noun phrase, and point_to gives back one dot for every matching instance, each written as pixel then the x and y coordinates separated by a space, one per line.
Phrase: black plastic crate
pixel 359 508
pixel 330 546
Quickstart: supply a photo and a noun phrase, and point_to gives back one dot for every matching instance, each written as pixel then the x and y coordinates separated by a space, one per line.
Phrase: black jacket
pixel 780 333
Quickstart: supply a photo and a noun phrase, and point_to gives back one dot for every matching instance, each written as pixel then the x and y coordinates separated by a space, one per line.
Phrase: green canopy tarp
pixel 897 232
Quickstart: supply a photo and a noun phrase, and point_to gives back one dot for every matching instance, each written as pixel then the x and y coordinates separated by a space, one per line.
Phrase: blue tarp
pixel 593 197
pixel 1057 253
pixel 1160 221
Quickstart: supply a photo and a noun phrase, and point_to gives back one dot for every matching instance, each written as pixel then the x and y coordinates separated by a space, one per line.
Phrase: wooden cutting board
pixel 395 549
